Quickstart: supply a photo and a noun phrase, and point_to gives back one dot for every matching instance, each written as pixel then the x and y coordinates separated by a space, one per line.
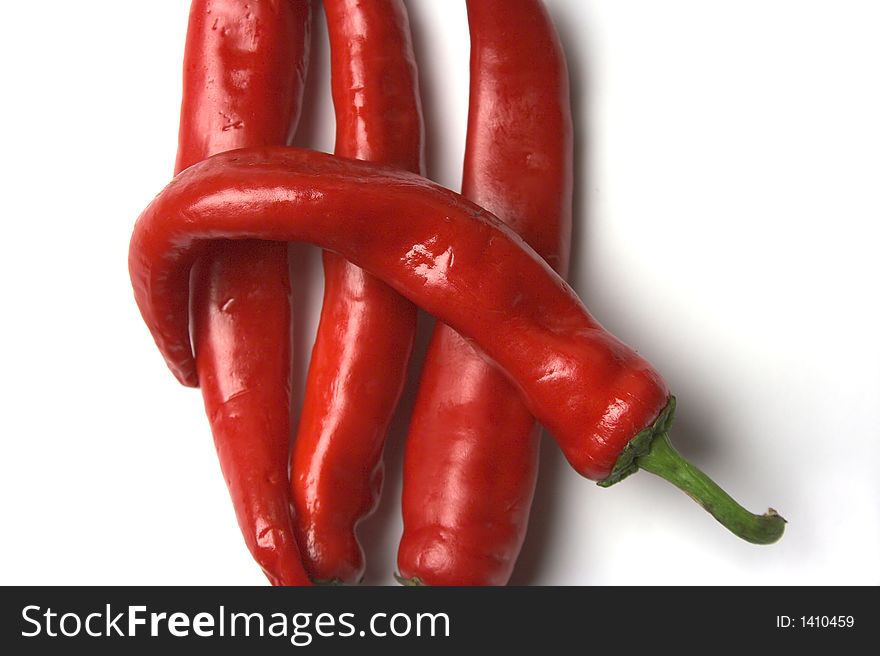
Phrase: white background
pixel 727 210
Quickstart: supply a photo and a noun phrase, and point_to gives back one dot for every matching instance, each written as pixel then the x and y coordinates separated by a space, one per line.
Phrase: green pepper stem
pixel 663 460
pixel 414 581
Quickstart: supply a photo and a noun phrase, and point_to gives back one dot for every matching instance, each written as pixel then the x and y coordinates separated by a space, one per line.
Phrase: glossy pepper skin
pixel 244 72
pixel 608 409
pixel 366 331
pixel 443 252
pixel 472 448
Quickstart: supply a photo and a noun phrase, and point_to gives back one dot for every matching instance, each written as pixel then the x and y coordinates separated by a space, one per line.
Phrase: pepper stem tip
pixel 411 582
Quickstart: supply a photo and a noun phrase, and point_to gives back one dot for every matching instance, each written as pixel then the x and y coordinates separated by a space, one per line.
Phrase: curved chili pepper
pixel 365 327
pixel 607 408
pixel 472 449
pixel 244 72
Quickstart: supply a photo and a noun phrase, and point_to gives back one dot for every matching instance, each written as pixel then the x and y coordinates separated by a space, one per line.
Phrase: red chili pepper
pixel 244 73
pixel 472 449
pixel 608 409
pixel 365 335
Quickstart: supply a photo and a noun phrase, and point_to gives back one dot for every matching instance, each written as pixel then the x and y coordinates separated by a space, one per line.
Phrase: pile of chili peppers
pixel 513 348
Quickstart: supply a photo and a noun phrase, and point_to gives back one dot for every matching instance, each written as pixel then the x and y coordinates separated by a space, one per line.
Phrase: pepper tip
pixel 186 377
